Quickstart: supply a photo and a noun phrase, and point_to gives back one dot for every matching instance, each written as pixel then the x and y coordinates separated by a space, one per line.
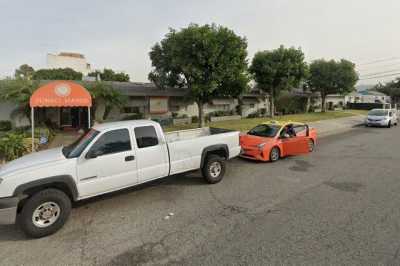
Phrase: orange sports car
pixel 273 140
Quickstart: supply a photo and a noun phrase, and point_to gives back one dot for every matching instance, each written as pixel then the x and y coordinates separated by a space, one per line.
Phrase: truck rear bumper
pixel 8 210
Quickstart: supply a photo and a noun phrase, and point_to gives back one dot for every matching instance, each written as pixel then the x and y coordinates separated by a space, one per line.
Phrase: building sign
pixel 61 94
pixel 158 105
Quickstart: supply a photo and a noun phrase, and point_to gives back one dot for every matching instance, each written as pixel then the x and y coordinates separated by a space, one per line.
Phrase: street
pixel 338 205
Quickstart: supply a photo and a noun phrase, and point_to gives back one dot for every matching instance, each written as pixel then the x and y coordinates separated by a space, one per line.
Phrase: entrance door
pixel 110 164
pixel 65 117
pixel 295 145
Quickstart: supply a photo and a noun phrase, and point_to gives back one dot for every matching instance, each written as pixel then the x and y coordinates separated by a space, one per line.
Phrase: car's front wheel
pixel 44 213
pixel 274 154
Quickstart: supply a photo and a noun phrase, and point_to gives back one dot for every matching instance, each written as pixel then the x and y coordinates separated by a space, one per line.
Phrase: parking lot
pixel 338 205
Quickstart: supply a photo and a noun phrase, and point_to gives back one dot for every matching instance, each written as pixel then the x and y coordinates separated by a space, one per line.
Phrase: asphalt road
pixel 339 205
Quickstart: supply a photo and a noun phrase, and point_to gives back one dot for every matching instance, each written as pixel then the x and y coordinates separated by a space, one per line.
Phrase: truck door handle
pixel 129 158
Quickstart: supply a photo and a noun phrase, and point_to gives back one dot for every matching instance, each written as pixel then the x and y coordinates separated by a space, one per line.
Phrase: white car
pixel 37 190
pixel 382 117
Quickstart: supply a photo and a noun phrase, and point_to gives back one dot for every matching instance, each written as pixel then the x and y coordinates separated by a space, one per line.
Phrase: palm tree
pixel 18 91
pixel 103 92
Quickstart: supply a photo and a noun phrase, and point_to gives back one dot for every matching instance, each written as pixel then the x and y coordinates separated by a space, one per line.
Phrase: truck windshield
pixel 75 149
pixel 268 131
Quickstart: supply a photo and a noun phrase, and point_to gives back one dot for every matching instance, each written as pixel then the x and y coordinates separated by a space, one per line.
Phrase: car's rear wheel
pixel 44 213
pixel 274 154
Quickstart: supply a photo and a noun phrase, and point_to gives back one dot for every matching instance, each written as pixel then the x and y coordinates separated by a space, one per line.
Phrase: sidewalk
pixel 334 126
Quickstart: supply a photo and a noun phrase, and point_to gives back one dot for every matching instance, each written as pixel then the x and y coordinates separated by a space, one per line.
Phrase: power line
pixel 375 67
pixel 380 73
pixel 379 61
pixel 383 76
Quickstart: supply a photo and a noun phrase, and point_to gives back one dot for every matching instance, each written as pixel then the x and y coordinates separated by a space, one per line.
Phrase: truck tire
pixel 213 169
pixel 44 213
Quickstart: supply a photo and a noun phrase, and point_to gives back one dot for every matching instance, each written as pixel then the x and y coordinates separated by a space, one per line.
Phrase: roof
pixel 146 89
pixel 75 55
pixel 366 92
pixel 119 124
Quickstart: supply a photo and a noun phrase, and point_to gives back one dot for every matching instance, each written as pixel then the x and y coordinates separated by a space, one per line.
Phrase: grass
pixel 248 123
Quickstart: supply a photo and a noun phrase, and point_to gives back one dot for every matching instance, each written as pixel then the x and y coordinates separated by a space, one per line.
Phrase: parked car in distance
pixel 382 117
pixel 37 190
pixel 273 140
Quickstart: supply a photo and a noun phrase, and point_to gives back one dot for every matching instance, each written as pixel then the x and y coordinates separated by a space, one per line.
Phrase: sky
pixel 119 34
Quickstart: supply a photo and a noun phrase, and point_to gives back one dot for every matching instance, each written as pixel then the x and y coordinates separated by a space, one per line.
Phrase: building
pixel 153 102
pixel 144 100
pixel 367 96
pixel 75 61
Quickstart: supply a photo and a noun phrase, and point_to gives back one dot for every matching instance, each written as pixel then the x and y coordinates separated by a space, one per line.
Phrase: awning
pixel 61 94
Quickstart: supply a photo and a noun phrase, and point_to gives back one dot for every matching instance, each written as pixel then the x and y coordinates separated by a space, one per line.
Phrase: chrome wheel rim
pixel 274 154
pixel 46 214
pixel 215 169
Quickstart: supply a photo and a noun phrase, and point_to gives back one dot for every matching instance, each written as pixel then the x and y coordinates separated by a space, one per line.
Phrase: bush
pixel 290 104
pixel 12 146
pixel 5 125
pixel 133 117
pixel 195 119
pixel 254 114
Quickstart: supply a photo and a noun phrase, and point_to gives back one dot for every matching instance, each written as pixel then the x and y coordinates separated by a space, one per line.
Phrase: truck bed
pixel 193 133
pixel 186 146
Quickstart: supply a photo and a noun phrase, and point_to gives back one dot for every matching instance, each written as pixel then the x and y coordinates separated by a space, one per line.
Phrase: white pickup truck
pixel 37 190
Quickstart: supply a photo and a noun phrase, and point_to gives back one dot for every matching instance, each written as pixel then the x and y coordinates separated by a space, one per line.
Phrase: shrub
pixel 133 117
pixel 5 125
pixel 195 119
pixel 12 146
pixel 254 114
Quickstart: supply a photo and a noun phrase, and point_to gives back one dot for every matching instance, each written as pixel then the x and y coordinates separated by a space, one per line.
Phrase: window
pixel 75 149
pixel 265 130
pixel 131 110
pixel 299 129
pixel 112 142
pixel 146 136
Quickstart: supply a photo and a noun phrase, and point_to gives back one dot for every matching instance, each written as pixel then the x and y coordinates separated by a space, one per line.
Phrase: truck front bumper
pixel 8 210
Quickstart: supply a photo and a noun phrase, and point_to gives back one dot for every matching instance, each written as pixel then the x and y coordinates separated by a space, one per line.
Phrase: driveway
pixel 338 205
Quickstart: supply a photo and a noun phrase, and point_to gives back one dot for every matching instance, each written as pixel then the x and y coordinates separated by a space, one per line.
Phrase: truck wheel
pixel 214 169
pixel 44 213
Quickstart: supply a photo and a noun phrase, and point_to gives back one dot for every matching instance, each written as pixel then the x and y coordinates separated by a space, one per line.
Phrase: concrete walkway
pixel 63 139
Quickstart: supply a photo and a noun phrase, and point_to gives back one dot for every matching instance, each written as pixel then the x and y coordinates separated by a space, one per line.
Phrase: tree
pixel 57 74
pixel 24 72
pixel 18 91
pixel 110 75
pixel 391 88
pixel 332 77
pixel 206 60
pixel 103 92
pixel 277 70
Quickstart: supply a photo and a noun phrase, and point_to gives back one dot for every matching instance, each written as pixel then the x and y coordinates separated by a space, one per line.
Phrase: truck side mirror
pixel 92 154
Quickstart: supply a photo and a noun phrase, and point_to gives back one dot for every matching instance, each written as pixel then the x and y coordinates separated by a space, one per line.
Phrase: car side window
pixel 299 129
pixel 146 136
pixel 114 141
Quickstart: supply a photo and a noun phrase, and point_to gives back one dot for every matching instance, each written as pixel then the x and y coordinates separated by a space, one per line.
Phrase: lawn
pixel 248 123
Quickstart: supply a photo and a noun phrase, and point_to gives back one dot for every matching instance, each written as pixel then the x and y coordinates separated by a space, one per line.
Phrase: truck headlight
pixel 261 146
